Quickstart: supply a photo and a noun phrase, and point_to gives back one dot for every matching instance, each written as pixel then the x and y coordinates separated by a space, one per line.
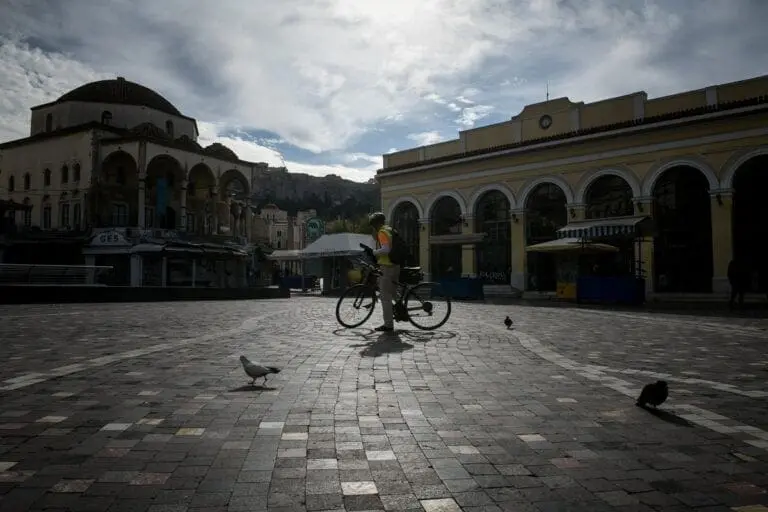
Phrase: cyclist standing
pixel 389 271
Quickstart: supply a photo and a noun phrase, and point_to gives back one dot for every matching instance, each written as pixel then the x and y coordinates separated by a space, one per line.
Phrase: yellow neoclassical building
pixel 677 185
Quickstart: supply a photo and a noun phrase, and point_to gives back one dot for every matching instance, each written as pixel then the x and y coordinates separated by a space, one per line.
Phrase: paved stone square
pixel 145 407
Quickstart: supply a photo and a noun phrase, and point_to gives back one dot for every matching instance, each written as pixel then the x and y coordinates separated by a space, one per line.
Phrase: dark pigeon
pixel 654 394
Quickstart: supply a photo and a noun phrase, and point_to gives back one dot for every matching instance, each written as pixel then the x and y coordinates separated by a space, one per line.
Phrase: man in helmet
pixel 390 272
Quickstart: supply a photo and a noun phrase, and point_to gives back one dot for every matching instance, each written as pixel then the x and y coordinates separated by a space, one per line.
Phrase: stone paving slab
pixel 471 417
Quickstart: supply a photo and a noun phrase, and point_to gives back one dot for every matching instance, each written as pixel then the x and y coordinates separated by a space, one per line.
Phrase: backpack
pixel 398 253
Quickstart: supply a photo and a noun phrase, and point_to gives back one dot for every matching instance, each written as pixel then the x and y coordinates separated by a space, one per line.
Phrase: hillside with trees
pixel 332 196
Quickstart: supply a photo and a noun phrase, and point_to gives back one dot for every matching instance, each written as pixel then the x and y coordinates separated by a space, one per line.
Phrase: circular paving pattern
pixel 146 407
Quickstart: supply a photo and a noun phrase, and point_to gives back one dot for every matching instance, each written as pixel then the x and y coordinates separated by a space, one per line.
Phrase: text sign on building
pixel 315 229
pixel 111 237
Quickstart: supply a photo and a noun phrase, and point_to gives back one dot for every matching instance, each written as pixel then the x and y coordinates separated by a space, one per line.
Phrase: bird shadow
pixel 251 387
pixel 667 416
pixel 385 343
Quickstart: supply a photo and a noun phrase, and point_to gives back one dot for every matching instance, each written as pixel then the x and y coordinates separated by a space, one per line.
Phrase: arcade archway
pixel 163 189
pixel 405 219
pixel 750 220
pixel 545 213
pixel 682 247
pixel 445 219
pixel 494 253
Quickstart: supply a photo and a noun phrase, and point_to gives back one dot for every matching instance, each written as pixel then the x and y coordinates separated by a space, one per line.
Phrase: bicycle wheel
pixel 360 299
pixel 426 303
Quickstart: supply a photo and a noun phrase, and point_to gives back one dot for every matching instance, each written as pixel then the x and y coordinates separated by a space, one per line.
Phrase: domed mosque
pixel 117 166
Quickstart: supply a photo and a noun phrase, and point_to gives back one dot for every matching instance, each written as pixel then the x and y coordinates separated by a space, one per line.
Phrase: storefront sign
pixel 107 238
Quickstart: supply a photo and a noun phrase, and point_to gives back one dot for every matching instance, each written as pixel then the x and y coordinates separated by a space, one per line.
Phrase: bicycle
pixel 409 284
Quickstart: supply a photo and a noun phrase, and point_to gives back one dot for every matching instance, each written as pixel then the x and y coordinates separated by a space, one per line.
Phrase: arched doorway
pixel 163 189
pixel 233 192
pixel 610 196
pixel 114 197
pixel 405 219
pixel 494 253
pixel 750 220
pixel 445 219
pixel 545 213
pixel 201 200
pixel 682 248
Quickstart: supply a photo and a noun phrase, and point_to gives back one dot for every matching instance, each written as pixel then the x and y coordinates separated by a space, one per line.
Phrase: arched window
pixel 76 173
pixel 169 127
pixel 49 122
pixel 11 184
pixel 106 117
pixel 27 212
pixel 27 181
pixel 46 213
pixel 76 216
pixel 609 196
pixel 47 178
pixel 64 211
pixel 64 174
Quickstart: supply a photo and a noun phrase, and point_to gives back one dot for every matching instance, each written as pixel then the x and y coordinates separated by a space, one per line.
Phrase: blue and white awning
pixel 603 228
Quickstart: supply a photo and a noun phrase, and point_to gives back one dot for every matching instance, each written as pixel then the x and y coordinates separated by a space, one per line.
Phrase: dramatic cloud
pixel 425 138
pixel 327 80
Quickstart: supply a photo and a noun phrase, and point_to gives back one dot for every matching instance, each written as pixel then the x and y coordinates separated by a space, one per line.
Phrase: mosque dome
pixel 120 91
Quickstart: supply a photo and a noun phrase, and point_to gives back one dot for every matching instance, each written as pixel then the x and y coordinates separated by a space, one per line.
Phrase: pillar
pixel 722 238
pixel 215 209
pixel 183 216
pixel 137 270
pixel 518 275
pixel 468 254
pixel 164 273
pixel 194 271
pixel 247 220
pixel 142 172
pixel 424 247
pixel 90 276
pixel 576 212
pixel 142 205
pixel 242 268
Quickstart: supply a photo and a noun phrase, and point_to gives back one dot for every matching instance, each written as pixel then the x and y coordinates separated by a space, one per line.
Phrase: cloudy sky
pixel 327 86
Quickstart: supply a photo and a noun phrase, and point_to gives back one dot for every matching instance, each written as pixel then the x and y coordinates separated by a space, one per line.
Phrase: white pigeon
pixel 256 371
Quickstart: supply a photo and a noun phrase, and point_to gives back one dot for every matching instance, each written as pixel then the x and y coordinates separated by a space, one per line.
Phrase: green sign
pixel 315 228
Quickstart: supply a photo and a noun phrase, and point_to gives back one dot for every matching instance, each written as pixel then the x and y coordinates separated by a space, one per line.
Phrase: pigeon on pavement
pixel 508 322
pixel 257 371
pixel 654 394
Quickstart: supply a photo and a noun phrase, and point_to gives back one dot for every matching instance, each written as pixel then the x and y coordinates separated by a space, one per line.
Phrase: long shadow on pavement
pixel 251 388
pixel 668 417
pixel 385 343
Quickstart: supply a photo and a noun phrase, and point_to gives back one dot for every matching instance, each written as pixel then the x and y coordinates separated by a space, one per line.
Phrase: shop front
pixel 140 259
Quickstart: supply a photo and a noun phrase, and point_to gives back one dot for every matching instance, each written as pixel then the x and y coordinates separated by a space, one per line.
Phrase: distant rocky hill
pixel 331 196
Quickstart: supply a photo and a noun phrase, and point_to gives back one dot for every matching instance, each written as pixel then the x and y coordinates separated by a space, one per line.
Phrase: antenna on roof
pixel 547 90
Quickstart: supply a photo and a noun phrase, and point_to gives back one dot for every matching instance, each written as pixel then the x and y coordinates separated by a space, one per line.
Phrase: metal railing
pixel 51 275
